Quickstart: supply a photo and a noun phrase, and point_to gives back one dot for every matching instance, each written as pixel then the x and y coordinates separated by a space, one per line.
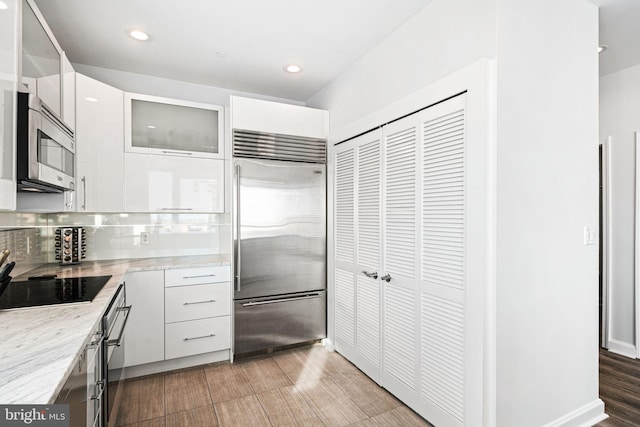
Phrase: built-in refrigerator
pixel 279 241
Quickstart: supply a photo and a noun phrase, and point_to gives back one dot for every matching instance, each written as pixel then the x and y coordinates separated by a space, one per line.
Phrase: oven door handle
pixel 118 340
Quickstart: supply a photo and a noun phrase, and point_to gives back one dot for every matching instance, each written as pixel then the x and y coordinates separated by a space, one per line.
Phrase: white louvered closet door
pixel 400 256
pixel 368 239
pixel 345 249
pixel 442 273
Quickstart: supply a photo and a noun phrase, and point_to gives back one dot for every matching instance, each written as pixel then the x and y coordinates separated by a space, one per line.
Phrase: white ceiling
pixel 620 30
pixel 255 38
pixel 244 44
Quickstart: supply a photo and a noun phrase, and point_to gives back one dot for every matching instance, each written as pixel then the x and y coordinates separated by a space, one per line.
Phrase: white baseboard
pixel 586 416
pixel 173 364
pixel 623 348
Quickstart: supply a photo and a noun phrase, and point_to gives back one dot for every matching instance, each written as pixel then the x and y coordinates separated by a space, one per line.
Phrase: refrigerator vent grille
pixel 273 146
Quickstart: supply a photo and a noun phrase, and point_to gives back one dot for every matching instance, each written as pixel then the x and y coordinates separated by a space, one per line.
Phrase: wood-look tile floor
pixel 306 386
pixel 620 389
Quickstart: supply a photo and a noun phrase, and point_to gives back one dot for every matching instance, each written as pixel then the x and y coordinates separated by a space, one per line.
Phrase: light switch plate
pixel 589 236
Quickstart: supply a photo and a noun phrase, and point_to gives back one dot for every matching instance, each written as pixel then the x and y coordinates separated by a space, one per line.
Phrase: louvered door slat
pixel 400 205
pixel 400 348
pixel 368 250
pixel 368 319
pixel 447 231
pixel 344 193
pixel 442 328
pixel 369 205
pixel 345 307
pixel 442 368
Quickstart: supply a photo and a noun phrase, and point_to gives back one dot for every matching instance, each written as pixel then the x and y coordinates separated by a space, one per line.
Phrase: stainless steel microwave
pixel 45 149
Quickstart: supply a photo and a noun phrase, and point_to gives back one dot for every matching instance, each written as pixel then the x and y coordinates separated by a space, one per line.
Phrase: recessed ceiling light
pixel 3 6
pixel 292 68
pixel 90 99
pixel 139 35
pixel 151 127
pixel 602 48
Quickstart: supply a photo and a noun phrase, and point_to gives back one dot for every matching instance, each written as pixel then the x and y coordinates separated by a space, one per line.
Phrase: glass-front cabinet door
pixel 172 127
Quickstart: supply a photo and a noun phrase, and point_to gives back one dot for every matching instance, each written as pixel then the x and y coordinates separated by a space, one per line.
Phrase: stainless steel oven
pixel 45 148
pixel 114 323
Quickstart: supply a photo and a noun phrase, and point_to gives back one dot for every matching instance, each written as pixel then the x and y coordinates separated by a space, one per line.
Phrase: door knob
pixel 386 278
pixel 373 275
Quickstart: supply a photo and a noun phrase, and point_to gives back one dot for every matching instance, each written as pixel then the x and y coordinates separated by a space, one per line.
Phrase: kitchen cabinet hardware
pixel 274 301
pixel 199 302
pixel 386 278
pixel 373 275
pixel 177 209
pixel 177 152
pixel 197 277
pixel 117 341
pixel 84 193
pixel 201 337
pixel 98 396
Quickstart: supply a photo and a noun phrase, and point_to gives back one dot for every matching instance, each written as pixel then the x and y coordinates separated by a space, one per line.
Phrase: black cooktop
pixel 31 293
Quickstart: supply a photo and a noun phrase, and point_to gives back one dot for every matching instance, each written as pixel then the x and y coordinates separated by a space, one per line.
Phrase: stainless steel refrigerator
pixel 280 245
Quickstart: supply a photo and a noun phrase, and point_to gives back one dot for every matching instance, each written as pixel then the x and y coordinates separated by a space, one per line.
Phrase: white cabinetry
pixel 41 58
pixel 403 311
pixel 99 147
pixel 144 340
pixel 68 93
pixel 273 117
pixel 8 84
pixel 197 307
pixel 179 318
pixel 163 126
pixel 173 184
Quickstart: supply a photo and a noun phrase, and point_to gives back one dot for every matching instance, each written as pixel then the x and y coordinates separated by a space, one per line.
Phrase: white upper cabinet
pixel 41 58
pixel 68 93
pixel 100 147
pixel 8 84
pixel 173 184
pixel 155 125
pixel 275 117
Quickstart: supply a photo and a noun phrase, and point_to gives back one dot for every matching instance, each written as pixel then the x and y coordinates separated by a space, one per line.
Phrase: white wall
pixel 547 190
pixel 158 86
pixel 442 38
pixel 547 181
pixel 619 119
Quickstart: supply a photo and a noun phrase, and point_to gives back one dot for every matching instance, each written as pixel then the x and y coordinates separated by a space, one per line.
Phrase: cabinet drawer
pixel 197 336
pixel 196 276
pixel 197 302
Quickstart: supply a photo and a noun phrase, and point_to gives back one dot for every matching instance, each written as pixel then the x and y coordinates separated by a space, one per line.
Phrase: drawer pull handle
pixel 197 277
pixel 199 302
pixel 177 209
pixel 177 152
pixel 199 338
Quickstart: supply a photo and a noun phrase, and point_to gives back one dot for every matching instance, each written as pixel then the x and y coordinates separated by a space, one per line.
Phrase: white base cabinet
pixel 173 184
pixel 177 317
pixel 144 340
pixel 197 336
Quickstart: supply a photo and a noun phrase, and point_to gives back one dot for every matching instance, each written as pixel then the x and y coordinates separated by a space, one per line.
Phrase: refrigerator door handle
pixel 238 252
pixel 274 301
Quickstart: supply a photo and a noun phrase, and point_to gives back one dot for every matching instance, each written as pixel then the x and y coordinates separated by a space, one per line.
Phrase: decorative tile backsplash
pixel 29 236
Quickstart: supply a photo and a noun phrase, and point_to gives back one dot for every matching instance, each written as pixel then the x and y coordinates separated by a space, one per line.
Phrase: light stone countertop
pixel 40 346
